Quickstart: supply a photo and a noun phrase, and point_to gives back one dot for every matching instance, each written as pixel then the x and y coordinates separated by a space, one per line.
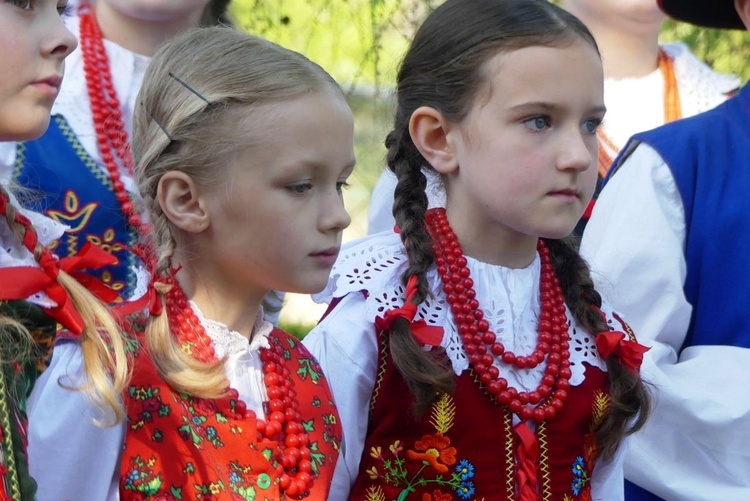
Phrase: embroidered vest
pixel 75 191
pixel 709 157
pixel 463 447
pixel 179 447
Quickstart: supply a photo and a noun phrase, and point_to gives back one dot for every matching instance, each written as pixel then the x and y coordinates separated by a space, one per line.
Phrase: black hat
pixel 708 13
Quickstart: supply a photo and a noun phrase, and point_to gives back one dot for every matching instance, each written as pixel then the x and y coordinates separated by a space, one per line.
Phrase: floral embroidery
pixel 225 461
pixel 434 450
pixel 436 455
pixel 437 496
pixel 583 465
pixel 141 477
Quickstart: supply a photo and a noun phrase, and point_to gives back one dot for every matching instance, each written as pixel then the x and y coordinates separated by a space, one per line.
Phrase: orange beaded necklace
pixel 672 112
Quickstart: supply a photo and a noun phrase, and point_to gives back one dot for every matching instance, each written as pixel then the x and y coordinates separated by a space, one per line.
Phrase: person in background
pixel 646 84
pixel 668 238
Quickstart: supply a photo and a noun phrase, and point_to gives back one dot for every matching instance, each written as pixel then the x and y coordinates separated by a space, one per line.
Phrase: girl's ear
pixel 182 202
pixel 431 134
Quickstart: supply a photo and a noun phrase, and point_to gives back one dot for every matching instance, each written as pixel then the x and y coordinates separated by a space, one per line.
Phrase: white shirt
pixel 345 345
pixel 696 445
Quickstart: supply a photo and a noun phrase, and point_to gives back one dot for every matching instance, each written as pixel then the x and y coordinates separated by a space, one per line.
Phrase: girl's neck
pixel 629 44
pixel 238 312
pixel 140 36
pixel 509 249
pixel 625 55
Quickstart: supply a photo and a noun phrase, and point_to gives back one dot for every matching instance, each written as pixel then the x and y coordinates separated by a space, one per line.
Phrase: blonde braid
pixel 106 370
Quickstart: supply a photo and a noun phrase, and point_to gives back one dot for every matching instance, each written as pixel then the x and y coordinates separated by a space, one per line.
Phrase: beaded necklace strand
pixel 484 350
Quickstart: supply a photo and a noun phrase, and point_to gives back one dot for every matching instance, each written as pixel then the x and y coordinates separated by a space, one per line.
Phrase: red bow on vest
pixel 20 282
pixel 615 343
pixel 424 334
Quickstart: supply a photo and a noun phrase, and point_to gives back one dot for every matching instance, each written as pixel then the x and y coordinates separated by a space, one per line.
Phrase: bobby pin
pixel 164 129
pixel 189 88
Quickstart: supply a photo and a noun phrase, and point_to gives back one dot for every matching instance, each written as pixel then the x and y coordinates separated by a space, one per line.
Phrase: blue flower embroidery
pixel 578 465
pixel 465 490
pixel 466 469
pixel 577 485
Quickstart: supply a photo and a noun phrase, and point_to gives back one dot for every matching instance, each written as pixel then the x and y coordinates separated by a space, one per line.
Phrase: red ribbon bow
pixel 616 343
pixel 20 282
pixel 424 334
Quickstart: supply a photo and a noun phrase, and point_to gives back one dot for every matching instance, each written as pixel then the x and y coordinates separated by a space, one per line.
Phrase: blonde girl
pixel 469 354
pixel 241 149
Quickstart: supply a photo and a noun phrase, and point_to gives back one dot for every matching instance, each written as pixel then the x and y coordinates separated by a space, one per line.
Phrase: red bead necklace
pixel 111 136
pixel 283 424
pixel 482 345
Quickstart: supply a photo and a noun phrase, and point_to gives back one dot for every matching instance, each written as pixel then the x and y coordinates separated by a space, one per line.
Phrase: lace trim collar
pixel 229 343
pixel 509 299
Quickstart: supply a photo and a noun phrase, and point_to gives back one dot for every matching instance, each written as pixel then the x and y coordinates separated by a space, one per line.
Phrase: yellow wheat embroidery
pixel 375 494
pixel 601 407
pixel 443 414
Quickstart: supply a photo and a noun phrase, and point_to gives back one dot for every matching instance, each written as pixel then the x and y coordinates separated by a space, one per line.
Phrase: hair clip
pixel 189 88
pixel 164 129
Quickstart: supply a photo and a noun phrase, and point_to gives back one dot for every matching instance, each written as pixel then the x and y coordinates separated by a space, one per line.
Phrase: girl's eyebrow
pixel 537 105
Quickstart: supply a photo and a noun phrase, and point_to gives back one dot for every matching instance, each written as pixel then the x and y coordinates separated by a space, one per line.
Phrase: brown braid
pixel 629 397
pixel 425 374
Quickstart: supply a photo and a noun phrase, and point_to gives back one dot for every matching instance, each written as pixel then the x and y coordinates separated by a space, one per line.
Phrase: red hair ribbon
pixel 20 282
pixel 424 334
pixel 629 353
pixel 156 286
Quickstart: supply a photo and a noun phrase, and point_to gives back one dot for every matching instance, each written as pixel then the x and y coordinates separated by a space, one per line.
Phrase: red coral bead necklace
pixel 111 136
pixel 283 424
pixel 481 344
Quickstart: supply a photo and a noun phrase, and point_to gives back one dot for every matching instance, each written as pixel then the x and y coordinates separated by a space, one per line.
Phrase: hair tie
pixel 20 282
pixel 424 334
pixel 615 343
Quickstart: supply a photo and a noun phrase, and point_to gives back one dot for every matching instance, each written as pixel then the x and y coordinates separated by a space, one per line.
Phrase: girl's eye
pixel 341 185
pixel 591 126
pixel 538 123
pixel 21 4
pixel 64 9
pixel 299 189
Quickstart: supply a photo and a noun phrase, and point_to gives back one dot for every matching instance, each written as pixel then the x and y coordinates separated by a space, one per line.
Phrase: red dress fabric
pixel 179 448
pixel 464 446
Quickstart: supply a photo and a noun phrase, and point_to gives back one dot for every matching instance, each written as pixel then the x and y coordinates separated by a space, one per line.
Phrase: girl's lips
pixel 327 257
pixel 49 86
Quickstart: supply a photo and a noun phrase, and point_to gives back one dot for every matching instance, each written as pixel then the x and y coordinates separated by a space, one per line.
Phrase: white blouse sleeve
pixel 696 442
pixel 71 457
pixel 345 345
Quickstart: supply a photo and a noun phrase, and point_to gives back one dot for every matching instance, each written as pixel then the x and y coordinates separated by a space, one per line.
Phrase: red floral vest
pixel 463 447
pixel 183 448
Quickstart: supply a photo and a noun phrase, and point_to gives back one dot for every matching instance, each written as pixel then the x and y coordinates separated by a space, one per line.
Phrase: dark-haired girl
pixel 469 354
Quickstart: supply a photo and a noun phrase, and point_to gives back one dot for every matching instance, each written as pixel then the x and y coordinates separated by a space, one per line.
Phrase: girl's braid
pixel 425 375
pixel 629 397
